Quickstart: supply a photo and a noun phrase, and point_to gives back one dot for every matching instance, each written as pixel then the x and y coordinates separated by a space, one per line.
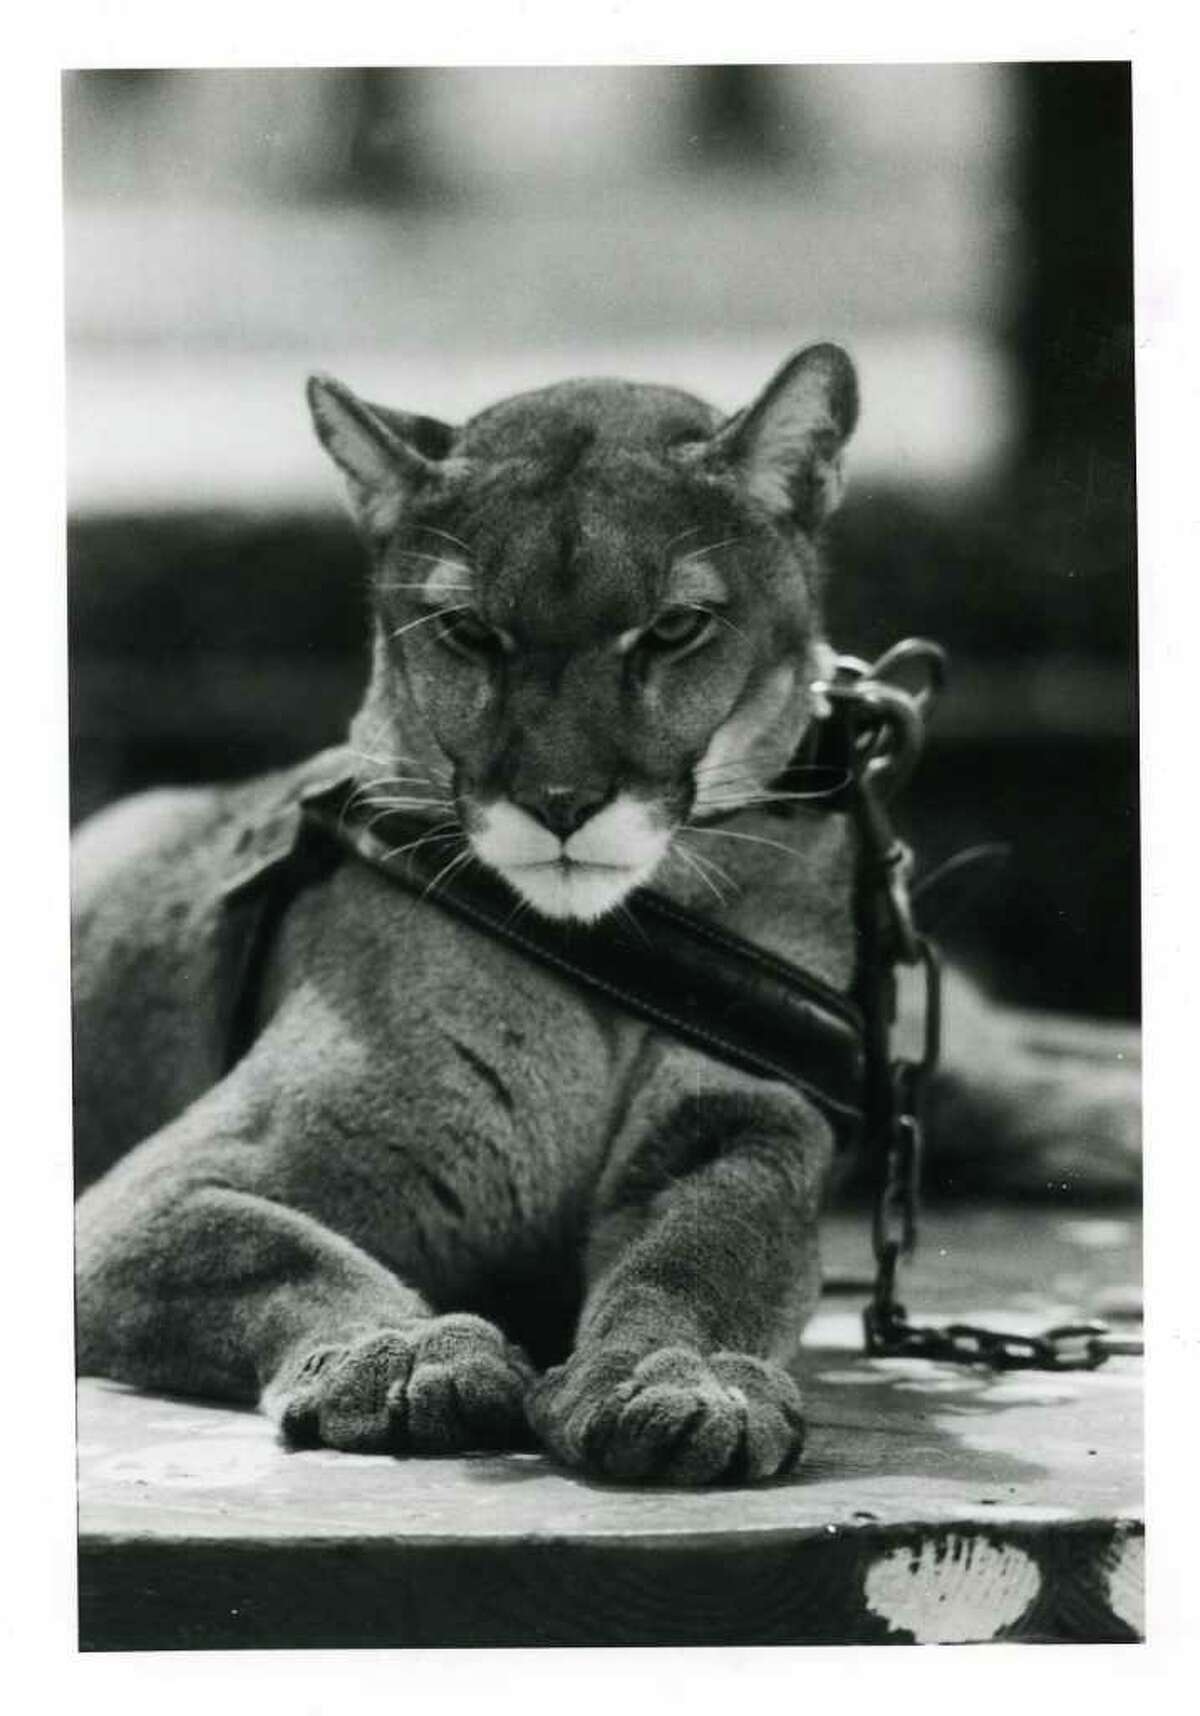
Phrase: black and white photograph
pixel 606 960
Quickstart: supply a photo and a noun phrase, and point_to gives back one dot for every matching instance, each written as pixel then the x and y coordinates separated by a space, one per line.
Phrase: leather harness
pixel 707 985
pixel 734 1000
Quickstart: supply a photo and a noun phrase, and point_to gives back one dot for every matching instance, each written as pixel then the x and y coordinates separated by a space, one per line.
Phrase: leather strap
pixel 734 1000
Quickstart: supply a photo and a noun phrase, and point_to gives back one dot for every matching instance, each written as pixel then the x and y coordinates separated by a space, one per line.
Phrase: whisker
pixel 444 874
pixel 446 536
pixel 404 804
pixel 735 765
pixel 437 614
pixel 369 825
pixel 626 916
pixel 385 802
pixel 710 548
pixel 378 756
pixel 727 794
pixel 707 790
pixel 723 620
pixel 368 797
pixel 747 761
pixel 713 807
pixel 385 786
pixel 712 887
pixel 521 906
pixel 744 764
pixel 382 786
pixel 731 834
pixel 711 864
pixel 729 774
pixel 382 780
pixel 692 530
pixel 689 859
pixel 433 839
pixel 420 584
pixel 382 816
pixel 724 878
pixel 401 801
pixel 395 757
pixel 419 554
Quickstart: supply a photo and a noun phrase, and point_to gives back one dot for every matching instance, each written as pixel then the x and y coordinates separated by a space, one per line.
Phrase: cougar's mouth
pixel 567 888
pixel 568 865
pixel 584 877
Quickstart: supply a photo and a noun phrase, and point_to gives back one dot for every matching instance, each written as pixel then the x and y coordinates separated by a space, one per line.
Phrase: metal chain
pixel 886 734
pixel 1072 1346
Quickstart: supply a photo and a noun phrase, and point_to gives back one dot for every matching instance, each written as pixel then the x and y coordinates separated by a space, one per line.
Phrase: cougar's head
pixel 596 613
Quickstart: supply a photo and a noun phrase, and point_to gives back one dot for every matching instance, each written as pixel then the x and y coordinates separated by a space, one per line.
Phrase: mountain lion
pixel 597 642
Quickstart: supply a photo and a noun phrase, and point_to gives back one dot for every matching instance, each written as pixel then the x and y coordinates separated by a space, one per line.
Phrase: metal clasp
pixel 886 725
pixel 888 720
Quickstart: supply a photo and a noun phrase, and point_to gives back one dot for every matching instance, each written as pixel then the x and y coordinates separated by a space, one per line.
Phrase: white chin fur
pixel 583 877
pixel 561 892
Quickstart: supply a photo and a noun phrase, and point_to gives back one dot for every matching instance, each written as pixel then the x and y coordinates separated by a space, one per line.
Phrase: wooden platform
pixel 936 1504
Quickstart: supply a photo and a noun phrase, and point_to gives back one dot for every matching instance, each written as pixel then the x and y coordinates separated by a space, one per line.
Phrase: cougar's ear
pixel 383 455
pixel 786 448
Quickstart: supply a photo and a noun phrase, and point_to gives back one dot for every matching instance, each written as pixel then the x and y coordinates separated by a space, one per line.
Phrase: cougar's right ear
pixel 382 464
pixel 786 448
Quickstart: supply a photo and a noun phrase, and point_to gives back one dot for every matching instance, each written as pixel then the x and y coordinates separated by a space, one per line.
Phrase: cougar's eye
pixel 678 629
pixel 466 634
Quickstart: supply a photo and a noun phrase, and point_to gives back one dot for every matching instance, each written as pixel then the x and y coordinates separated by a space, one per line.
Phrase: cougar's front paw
pixel 438 1386
pixel 671 1417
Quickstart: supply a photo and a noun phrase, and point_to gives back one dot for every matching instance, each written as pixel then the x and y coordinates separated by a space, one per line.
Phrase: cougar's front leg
pixel 701 1274
pixel 193 1278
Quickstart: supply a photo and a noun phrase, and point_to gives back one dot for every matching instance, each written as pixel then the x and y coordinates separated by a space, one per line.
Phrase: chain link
pixel 887 731
pixel 1073 1346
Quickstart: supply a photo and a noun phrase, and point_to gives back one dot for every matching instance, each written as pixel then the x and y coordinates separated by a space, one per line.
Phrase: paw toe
pixel 437 1387
pixel 672 1417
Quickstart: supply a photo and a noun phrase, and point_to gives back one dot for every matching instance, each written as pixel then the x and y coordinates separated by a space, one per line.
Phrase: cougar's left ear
pixel 384 455
pixel 786 448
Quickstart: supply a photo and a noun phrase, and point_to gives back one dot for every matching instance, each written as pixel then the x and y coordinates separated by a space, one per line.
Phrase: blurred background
pixel 440 237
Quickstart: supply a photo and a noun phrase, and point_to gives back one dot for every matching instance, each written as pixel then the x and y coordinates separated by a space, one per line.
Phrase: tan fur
pixel 438 1167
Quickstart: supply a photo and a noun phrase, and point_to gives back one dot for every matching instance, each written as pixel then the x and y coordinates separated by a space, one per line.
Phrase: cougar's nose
pixel 562 809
